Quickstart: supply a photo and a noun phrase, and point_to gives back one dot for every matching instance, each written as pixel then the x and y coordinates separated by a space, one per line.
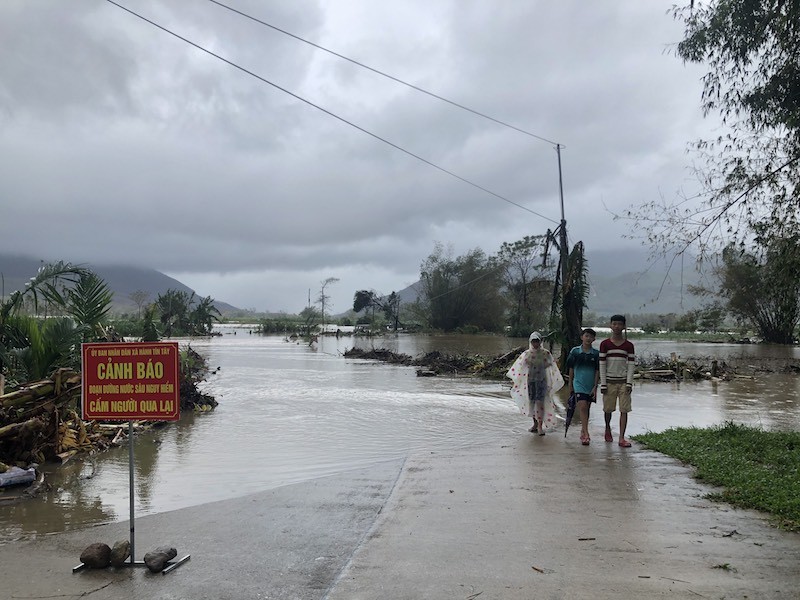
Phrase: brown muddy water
pixel 290 413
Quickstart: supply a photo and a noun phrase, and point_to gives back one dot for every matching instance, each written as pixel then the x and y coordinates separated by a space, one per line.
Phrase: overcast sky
pixel 121 143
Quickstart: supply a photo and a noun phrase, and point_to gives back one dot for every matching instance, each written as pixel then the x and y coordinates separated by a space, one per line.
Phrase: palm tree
pixel 88 302
pixel 23 339
pixel 50 344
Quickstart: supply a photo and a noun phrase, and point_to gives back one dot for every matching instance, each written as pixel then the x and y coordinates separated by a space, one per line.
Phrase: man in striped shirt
pixel 617 360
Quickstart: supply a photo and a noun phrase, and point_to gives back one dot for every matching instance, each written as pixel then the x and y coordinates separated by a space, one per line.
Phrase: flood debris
pixel 439 363
pixel 651 367
pixel 40 421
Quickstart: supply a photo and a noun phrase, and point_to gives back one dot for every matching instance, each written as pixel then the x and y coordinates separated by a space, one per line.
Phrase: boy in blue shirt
pixel 583 363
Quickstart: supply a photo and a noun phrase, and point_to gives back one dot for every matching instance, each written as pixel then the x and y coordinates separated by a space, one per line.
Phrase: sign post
pixel 127 382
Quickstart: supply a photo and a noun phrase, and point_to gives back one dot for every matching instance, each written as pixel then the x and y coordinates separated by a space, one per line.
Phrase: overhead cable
pixel 327 112
pixel 382 73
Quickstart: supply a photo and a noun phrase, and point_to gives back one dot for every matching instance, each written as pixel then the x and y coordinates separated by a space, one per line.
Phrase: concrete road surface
pixel 528 517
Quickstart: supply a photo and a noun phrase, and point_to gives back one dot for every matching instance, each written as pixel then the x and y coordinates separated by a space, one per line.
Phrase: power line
pixel 382 73
pixel 329 113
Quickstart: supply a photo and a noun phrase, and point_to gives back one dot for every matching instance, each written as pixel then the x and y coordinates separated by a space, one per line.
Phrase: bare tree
pixel 322 300
pixel 139 297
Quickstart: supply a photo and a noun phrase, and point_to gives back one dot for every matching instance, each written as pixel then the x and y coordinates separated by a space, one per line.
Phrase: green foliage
pixel 310 318
pixel 364 299
pixel 149 326
pixel 756 468
pixel 750 47
pixel 527 283
pixel 49 344
pixel 193 369
pixel 651 328
pixel 88 302
pixel 568 302
pixel 173 311
pixel 459 291
pixel 711 317
pixel 763 286
pixel 203 315
pixel 127 326
pixel 181 314
pixel 31 346
pixel 388 305
pixel 749 174
pixel 577 294
pixel 686 322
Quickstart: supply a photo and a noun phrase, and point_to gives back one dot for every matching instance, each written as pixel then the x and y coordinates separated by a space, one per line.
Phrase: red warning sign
pixel 136 381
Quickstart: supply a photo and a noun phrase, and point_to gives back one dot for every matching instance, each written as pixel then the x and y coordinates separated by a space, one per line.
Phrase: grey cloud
pixel 139 148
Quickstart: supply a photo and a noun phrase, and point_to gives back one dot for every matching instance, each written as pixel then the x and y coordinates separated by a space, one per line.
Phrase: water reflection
pixel 288 413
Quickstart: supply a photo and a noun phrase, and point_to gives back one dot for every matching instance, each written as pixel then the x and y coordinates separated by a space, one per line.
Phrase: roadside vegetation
pixel 42 328
pixel 755 469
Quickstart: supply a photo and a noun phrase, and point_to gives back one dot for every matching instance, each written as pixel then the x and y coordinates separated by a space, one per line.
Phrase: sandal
pixel 541 433
pixel 623 443
pixel 585 440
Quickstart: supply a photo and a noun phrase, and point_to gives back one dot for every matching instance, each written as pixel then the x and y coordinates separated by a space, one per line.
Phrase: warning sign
pixel 135 381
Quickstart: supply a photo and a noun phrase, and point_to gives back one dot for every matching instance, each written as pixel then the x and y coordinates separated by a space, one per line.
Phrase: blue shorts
pixel 584 397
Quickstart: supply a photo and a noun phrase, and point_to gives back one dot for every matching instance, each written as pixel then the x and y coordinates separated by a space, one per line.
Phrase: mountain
pixel 123 280
pixel 620 281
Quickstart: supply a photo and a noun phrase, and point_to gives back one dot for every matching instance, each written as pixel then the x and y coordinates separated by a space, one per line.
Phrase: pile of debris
pixel 438 363
pixel 658 368
pixel 40 422
pixel 381 354
pixel 651 367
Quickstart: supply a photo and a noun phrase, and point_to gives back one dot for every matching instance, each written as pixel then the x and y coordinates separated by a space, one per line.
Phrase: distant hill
pixel 620 282
pixel 15 271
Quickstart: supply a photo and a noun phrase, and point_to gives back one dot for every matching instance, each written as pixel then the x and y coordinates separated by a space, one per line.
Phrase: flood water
pixel 289 413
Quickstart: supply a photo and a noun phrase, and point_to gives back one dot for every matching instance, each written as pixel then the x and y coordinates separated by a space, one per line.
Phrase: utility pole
pixel 570 332
pixel 563 230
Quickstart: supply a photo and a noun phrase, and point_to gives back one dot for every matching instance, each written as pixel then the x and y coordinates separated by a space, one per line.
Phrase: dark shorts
pixel 536 390
pixel 584 397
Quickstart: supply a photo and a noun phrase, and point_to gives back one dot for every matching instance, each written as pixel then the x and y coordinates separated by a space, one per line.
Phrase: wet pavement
pixel 531 517
pixel 290 414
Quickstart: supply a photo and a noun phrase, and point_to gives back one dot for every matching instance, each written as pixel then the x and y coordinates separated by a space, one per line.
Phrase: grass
pixel 757 469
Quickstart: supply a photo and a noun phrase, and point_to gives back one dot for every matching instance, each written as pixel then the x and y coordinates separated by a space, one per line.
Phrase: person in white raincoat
pixel 535 380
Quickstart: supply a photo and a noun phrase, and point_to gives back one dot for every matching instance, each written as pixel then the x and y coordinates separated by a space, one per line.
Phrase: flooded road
pixel 290 413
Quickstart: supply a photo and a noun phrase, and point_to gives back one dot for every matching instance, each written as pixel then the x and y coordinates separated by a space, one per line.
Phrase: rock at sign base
pixel 96 556
pixel 120 553
pixel 158 558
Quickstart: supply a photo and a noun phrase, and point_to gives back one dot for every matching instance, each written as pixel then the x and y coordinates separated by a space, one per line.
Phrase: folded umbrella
pixel 570 412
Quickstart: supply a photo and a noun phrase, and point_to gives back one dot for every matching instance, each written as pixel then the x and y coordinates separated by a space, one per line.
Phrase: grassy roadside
pixel 757 469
